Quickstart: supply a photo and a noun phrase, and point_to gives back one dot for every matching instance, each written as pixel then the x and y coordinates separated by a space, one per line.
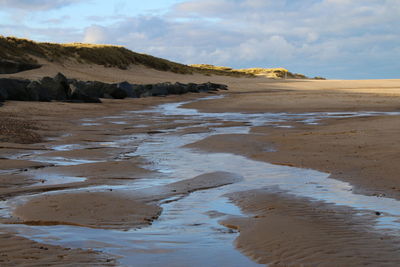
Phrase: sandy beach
pixel 81 165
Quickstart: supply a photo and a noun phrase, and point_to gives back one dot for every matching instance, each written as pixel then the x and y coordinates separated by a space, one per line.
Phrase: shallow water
pixel 55 179
pixel 188 231
pixel 62 161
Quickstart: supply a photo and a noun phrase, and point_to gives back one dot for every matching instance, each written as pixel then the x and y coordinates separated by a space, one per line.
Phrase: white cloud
pixel 95 34
pixel 334 35
pixel 36 4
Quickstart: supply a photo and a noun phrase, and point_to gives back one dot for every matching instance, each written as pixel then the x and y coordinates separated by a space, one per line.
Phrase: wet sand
pixel 362 151
pixel 26 177
pixel 281 229
pixel 108 210
pixel 19 251
pixel 291 231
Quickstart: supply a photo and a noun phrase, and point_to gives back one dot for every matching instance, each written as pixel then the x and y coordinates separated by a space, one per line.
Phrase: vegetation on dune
pixel 274 73
pixel 107 55
pixel 219 70
pixel 212 67
pixel 24 50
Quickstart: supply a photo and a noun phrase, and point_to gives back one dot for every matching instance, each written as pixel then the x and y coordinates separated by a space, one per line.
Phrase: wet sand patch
pixel 91 209
pixel 247 145
pixel 99 170
pixel 284 230
pixel 11 164
pixel 20 251
pixel 111 209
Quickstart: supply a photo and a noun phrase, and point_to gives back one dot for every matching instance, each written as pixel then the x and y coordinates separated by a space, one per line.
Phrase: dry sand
pixel 284 231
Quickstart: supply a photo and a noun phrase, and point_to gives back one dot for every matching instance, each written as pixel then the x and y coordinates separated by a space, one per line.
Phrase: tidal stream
pixel 188 230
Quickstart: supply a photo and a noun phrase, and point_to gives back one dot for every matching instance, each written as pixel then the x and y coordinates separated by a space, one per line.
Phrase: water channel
pixel 188 229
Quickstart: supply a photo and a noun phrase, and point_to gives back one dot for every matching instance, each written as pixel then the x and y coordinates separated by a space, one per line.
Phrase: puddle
pixel 188 231
pixel 67 147
pixel 55 179
pixel 26 154
pixel 61 161
pixel 10 171
pixel 89 119
pixel 91 124
pixel 114 117
pixel 119 122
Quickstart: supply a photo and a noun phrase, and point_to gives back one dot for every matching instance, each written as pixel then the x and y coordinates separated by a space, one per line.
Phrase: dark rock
pixel 60 78
pixel 128 88
pixel 14 89
pixel 162 89
pixel 33 89
pixel 211 87
pixel 118 93
pixel 154 132
pixel 55 88
pixel 112 91
pixel 192 87
pixel 9 66
pixel 223 87
pixel 77 96
pixel 91 89
pixel 178 88
pixel 146 90
pixel 63 81
pixel 48 89
pixel 63 89
pixel 3 94
pixel 159 89
pixel 137 90
pixel 97 89
pixel 203 87
pixel 71 81
pixel 38 92
pixel 217 86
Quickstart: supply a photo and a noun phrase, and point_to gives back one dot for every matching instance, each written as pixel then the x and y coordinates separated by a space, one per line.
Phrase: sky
pixel 337 39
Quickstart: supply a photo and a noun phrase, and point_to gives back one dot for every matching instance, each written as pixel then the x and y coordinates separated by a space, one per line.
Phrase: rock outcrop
pixel 60 88
pixel 14 89
pixel 9 66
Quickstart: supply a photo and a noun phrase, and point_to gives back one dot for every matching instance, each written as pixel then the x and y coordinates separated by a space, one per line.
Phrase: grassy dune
pixel 27 51
pixel 24 50
pixel 107 55
pixel 274 73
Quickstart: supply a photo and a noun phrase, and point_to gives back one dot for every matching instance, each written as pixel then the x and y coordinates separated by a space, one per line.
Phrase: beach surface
pixel 84 165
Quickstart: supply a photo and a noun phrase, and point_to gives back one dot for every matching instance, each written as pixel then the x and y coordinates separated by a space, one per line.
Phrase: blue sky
pixel 348 39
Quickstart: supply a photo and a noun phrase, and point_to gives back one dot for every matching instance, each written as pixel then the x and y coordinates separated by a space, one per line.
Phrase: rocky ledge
pixel 60 88
pixel 10 66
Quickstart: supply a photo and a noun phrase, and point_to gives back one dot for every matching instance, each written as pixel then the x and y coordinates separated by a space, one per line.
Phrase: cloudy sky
pixel 346 39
